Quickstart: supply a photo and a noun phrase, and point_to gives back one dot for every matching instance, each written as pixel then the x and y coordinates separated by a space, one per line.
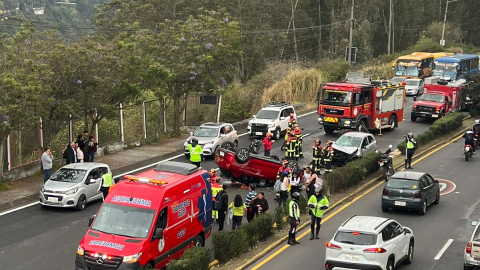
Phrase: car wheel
pixel 413 118
pixel 385 209
pixel 467 267
pixel 228 145
pixel 389 264
pixel 437 199
pixel 82 203
pixel 147 266
pixel 409 258
pixel 199 241
pixel 277 134
pixel 275 158
pixel 293 165
pixel 243 155
pixel 392 122
pixel 235 144
pixel 328 130
pixel 423 210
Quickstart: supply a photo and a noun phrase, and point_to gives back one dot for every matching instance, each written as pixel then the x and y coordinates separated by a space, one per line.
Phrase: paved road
pixel 36 238
pixel 449 220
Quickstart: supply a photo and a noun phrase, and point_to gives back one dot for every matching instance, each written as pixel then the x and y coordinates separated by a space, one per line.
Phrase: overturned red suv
pixel 246 167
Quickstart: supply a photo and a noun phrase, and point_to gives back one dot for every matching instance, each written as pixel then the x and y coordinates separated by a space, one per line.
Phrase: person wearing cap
pixel 317 155
pixel 328 156
pixel 476 130
pixel 299 136
pixel 196 152
pixel 292 121
pixel 267 144
pixel 411 144
pixel 318 203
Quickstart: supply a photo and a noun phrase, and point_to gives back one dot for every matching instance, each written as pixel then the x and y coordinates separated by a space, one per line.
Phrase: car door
pixel 91 189
pixel 388 239
pixel 164 245
pixel 284 114
pixel 402 241
pixel 231 133
pixel 372 144
pixel 432 187
pixel 426 189
pixel 364 147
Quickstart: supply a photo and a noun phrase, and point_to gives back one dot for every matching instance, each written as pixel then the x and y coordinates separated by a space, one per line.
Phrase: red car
pixel 245 167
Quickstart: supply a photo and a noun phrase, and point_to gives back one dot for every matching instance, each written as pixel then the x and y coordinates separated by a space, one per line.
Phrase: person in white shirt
pixel 283 190
pixel 294 183
pixel 79 153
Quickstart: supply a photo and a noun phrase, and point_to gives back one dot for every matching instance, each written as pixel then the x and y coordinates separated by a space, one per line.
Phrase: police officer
pixel 317 203
pixel 299 136
pixel 411 144
pixel 294 215
pixel 292 122
pixel 317 155
pixel 196 152
pixel 107 182
pixel 328 156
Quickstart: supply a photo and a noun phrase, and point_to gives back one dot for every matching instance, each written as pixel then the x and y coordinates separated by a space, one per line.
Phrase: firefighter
pixel 294 215
pixel 290 146
pixel 213 176
pixel 284 145
pixel 328 157
pixel 411 144
pixel 292 121
pixel 299 135
pixel 317 156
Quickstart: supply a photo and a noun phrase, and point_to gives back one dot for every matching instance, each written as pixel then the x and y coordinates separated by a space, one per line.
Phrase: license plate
pixel 467 149
pixel 52 199
pixel 259 133
pixel 435 115
pixel 352 258
pixel 222 154
pixel 400 203
pixel 331 119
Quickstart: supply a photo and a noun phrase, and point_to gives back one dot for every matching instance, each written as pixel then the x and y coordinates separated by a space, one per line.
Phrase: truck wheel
pixel 413 118
pixel 277 134
pixel 328 130
pixel 242 156
pixel 392 122
pixel 293 165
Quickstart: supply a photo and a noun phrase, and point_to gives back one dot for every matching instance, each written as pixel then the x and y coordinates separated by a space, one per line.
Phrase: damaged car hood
pixel 346 149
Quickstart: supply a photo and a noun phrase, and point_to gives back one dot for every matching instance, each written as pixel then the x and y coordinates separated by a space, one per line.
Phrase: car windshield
pixel 124 220
pixel 402 183
pixel 407 68
pixel 397 80
pixel 68 175
pixel 355 238
pixel 412 83
pixel 433 98
pixel 442 68
pixel 337 97
pixel 267 114
pixel 206 132
pixel 349 141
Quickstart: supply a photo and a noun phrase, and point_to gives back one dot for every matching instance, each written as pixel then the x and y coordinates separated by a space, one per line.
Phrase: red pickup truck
pixel 247 168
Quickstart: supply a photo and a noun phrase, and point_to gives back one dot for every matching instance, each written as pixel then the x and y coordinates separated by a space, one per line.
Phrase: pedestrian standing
pixel 317 156
pixel 252 194
pixel 107 182
pixel 84 148
pixel 239 211
pixel 196 152
pixel 70 155
pixel 92 148
pixel 309 178
pixel 221 205
pixel 267 144
pixel 411 144
pixel 259 204
pixel 47 163
pixel 216 188
pixel 294 216
pixel 318 203
pixel 299 136
pixel 79 152
pixel 284 183
pixel 294 183
pixel 328 156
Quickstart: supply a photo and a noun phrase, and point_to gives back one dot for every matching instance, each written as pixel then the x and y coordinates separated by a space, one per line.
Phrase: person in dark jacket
pixel 70 155
pixel 86 140
pixel 92 148
pixel 222 196
pixel 259 204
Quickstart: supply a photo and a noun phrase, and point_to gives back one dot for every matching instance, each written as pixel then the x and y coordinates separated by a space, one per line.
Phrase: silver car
pixel 414 87
pixel 74 185
pixel 211 136
pixel 352 145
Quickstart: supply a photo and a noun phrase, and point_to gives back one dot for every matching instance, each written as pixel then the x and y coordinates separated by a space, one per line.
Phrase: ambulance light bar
pixel 143 180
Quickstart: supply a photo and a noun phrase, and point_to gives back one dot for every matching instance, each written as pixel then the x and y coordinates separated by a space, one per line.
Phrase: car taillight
pixel 385 192
pixel 468 249
pixel 418 194
pixel 375 250
pixel 333 246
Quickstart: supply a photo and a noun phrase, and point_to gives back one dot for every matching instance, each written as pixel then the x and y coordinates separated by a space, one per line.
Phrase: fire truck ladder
pixel 363 127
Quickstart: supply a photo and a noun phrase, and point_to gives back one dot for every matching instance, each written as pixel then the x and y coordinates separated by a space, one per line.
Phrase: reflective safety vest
pixel 293 210
pixel 317 205
pixel 216 188
pixel 195 153
pixel 411 143
pixel 107 180
pixel 317 151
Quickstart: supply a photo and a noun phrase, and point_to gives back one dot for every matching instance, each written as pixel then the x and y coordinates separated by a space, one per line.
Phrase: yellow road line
pixel 266 260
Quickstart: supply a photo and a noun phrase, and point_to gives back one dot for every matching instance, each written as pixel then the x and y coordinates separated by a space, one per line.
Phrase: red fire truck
pixel 360 106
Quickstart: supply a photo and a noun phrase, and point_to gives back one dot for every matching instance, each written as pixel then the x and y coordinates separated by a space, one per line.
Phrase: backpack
pixel 218 203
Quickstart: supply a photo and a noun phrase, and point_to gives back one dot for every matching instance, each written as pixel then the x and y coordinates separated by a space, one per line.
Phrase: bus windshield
pixel 407 68
pixel 336 97
pixel 442 68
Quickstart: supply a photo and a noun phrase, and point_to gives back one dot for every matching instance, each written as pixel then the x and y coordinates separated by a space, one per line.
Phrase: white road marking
pixel 440 253
pixel 308 134
pixel 138 169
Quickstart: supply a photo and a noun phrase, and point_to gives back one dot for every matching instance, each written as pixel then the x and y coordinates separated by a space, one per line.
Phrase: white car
pixel 471 254
pixel 366 242
pixel 273 118
pixel 414 87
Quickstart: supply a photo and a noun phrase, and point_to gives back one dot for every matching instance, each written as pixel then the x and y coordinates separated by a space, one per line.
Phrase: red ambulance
pixel 149 219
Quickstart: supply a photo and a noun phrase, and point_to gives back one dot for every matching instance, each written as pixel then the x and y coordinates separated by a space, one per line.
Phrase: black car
pixel 411 191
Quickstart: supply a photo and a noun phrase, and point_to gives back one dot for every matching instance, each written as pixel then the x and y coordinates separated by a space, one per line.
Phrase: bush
pixel 264 222
pixel 228 244
pixel 441 126
pixel 302 204
pixel 252 231
pixel 351 174
pixel 474 111
pixel 278 217
pixel 193 258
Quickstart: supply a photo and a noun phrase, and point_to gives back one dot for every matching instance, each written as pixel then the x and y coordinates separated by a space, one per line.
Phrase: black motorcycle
pixel 255 146
pixel 386 164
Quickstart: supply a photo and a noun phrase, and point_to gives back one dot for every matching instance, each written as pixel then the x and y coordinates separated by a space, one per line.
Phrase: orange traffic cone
pixel 244 186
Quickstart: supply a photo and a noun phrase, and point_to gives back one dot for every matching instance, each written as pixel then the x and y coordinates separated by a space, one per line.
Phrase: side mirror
pixel 254 116
pixel 90 221
pixel 474 223
pixel 158 234
pixel 407 231
pixel 282 118
pixel 414 98
pixel 92 181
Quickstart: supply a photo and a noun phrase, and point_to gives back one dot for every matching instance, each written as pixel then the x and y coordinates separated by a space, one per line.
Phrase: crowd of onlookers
pixel 83 149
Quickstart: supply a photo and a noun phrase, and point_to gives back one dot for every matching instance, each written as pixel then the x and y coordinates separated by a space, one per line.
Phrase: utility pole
pixel 442 41
pixel 389 51
pixel 350 41
pixel 393 29
pixel 294 8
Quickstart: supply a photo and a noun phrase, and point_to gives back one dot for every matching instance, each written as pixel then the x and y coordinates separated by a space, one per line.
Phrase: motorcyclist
pixel 476 129
pixel 469 139
pixel 411 144
pixel 317 156
pixel 299 135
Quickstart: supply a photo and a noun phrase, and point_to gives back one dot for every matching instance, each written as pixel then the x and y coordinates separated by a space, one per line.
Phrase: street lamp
pixel 442 41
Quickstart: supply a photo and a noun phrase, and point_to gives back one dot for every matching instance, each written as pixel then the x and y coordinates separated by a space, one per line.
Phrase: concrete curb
pixel 335 205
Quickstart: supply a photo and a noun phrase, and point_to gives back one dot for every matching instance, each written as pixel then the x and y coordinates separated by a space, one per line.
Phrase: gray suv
pixel 74 185
pixel 211 136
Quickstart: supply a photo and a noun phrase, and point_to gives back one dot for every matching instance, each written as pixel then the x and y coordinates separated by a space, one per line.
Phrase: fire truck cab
pixel 360 106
